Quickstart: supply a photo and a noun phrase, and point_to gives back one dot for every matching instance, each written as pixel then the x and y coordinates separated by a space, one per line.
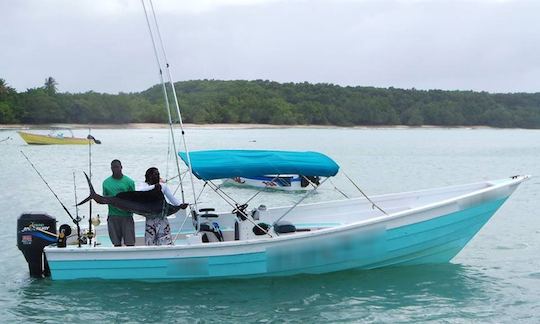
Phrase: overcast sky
pixel 104 45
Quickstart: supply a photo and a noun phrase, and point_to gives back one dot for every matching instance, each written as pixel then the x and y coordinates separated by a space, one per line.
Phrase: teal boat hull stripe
pixel 436 240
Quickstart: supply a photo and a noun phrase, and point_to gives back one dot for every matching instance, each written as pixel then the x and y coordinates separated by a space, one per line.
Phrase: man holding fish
pixel 119 222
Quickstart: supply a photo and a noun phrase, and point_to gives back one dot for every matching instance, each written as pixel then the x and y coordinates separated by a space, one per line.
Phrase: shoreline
pixel 227 126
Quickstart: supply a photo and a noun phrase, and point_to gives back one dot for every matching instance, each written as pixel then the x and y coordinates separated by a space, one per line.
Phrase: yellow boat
pixel 56 138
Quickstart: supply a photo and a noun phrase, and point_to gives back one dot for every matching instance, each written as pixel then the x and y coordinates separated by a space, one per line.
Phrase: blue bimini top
pixel 221 164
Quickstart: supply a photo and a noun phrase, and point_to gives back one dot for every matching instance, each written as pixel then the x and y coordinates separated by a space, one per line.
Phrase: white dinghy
pixel 287 182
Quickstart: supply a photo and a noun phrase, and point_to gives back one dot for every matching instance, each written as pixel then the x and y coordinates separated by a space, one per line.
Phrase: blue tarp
pixel 221 164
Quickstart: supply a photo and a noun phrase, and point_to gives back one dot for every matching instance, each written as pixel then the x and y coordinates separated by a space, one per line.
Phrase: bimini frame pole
pixel 171 83
pixel 165 95
pixel 299 201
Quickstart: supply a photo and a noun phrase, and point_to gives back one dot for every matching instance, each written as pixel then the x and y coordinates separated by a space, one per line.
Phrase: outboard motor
pixel 34 232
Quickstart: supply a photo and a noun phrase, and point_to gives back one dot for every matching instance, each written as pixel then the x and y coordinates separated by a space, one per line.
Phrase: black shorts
pixel 121 228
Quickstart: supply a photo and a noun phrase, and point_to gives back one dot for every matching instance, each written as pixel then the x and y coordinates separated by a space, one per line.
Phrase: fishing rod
pixel 166 96
pixel 337 189
pixel 90 138
pixel 75 220
pixel 373 205
pixel 171 83
pixel 76 207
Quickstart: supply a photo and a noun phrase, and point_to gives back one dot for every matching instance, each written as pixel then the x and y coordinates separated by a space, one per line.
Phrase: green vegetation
pixel 266 102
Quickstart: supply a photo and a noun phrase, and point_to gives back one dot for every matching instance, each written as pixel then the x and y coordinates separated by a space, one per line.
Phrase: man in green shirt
pixel 119 222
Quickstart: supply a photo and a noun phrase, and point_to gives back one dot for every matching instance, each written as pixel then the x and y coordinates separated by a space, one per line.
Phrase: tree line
pixel 268 102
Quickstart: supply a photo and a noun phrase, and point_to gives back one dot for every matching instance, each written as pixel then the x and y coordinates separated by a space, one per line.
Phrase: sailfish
pixel 145 203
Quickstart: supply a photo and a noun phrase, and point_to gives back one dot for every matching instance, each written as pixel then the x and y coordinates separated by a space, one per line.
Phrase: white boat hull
pixel 422 227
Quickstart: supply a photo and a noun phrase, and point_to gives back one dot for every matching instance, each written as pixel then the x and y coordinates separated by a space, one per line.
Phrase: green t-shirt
pixel 112 187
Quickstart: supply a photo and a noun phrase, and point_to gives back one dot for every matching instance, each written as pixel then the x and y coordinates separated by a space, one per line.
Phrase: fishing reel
pixel 63 232
pixel 240 211
pixel 96 221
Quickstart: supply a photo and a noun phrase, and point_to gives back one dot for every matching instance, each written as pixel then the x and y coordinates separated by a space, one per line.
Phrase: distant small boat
pixel 57 138
pixel 291 182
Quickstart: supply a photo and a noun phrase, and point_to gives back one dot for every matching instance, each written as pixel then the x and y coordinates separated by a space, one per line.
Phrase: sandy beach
pixel 215 126
pixel 151 126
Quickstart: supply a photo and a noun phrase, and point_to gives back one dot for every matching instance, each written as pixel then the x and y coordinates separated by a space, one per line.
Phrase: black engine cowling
pixel 34 232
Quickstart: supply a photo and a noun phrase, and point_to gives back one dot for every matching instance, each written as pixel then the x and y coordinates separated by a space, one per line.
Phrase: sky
pixel 104 45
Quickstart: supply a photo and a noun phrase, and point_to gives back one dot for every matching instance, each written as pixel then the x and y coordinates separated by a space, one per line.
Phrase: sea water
pixel 496 278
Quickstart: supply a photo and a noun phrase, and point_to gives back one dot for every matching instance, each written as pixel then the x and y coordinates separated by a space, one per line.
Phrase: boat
pixel 56 137
pixel 419 227
pixel 287 182
pixel 410 228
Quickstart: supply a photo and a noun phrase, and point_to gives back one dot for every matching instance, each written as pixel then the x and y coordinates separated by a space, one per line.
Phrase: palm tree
pixel 5 89
pixel 50 85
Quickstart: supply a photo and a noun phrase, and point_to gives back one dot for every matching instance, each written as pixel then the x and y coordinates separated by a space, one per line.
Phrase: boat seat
pixel 206 213
pixel 261 229
pixel 283 227
pixel 210 232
